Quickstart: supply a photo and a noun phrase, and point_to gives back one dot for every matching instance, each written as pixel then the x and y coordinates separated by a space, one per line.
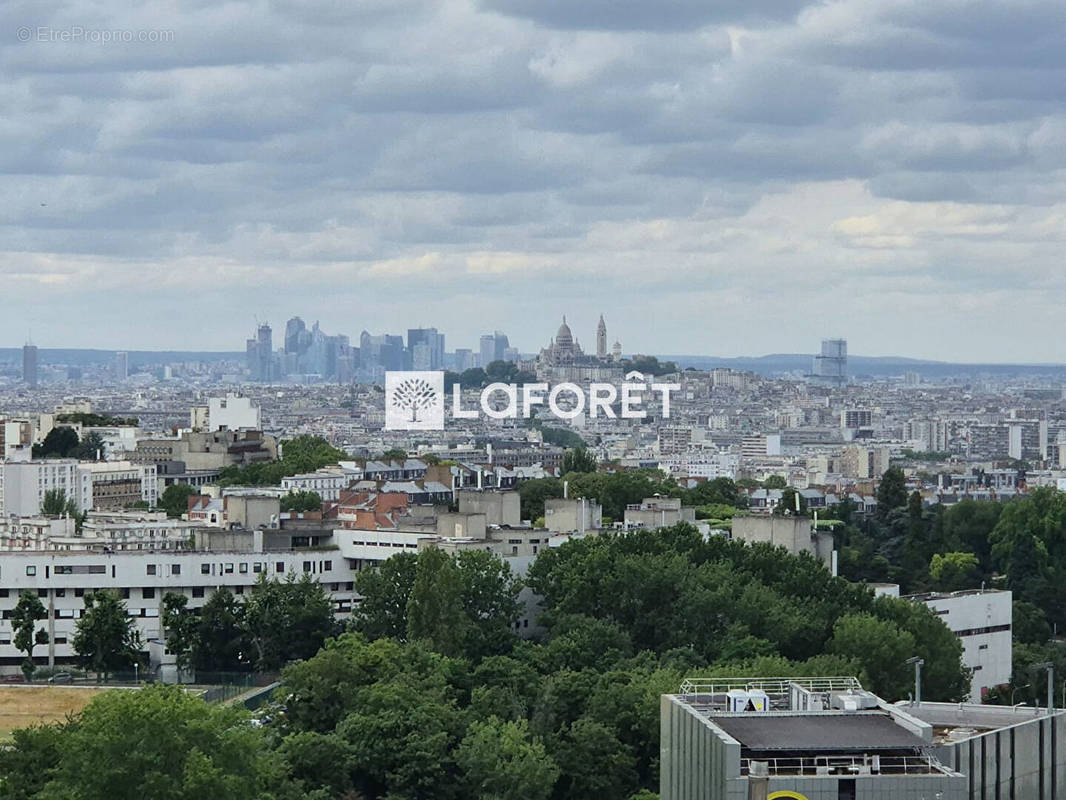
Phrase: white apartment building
pixel 983 620
pixel 142 578
pixel 234 413
pixel 90 484
pixel 327 482
pixel 23 484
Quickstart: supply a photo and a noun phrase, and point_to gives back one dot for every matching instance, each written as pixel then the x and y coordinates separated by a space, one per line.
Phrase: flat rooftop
pixel 954 722
pixel 827 731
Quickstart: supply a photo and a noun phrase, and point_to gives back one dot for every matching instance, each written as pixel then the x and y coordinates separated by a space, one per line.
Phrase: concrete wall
pixel 1025 761
pixel 461 525
pixel 569 516
pixel 696 760
pixel 499 508
pixel 792 533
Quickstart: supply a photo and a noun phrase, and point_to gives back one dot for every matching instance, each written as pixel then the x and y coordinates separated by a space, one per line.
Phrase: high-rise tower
pixel 29 365
pixel 601 339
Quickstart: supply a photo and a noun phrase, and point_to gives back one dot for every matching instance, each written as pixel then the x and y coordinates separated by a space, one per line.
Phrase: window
pixel 279 566
pixel 4 592
pixel 238 590
pixel 307 566
pixel 514 550
pixel 327 566
pixel 125 594
pixel 983 647
pixel 349 586
pixel 61 592
pixel 79 593
pixel 31 571
pixel 243 569
pixel 228 570
pixel 198 591
pixel 257 567
pixel 175 569
pixel 150 569
pixel 148 593
pixel 60 640
pixel 205 569
pixel 42 593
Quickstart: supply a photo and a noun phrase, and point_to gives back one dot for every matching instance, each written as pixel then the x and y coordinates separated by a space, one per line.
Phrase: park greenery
pixel 276 622
pixel 92 420
pixel 302 500
pixel 300 454
pixel 64 442
pixel 495 372
pixel 430 693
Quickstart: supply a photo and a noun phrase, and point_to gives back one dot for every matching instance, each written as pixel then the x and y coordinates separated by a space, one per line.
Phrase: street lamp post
pixel 1050 667
pixel 917 662
pixel 1014 691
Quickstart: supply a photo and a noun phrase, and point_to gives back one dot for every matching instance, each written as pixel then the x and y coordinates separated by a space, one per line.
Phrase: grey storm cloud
pixel 704 173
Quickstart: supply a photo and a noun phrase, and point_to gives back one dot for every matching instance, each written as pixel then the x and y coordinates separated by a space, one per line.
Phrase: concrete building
pixel 828 739
pixel 122 367
pixel 863 463
pixel 983 620
pixel 207 450
pixel 792 533
pixel 831 365
pixel 499 508
pixel 142 578
pixel 15 434
pixel 234 413
pixel 658 512
pixel 567 515
pixel 29 365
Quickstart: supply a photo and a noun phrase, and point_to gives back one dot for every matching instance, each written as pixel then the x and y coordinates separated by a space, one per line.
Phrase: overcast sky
pixel 734 177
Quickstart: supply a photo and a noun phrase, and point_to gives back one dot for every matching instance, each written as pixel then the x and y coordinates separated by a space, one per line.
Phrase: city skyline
pixel 730 176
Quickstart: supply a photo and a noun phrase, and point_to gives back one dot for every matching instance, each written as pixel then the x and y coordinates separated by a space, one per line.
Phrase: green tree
pixel 395 454
pixel 502 762
pixel 953 571
pixel 891 491
pixel 58 443
pixel 594 763
pixel 578 460
pixel 301 501
pixel 533 493
pixel 386 591
pixel 55 503
pixel 286 620
pixel 179 627
pixel 175 499
pixel 790 499
pixel 882 649
pixel 162 742
pixel 435 608
pixel 24 618
pixel 775 482
pixel 29 760
pixel 219 639
pixel 105 638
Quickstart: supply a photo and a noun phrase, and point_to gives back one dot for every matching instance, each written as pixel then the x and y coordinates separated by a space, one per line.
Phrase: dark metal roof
pixel 866 732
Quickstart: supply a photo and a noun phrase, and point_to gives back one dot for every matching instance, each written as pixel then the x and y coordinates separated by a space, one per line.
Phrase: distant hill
pixel 860 366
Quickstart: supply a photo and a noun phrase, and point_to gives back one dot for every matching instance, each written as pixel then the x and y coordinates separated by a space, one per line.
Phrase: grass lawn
pixel 20 707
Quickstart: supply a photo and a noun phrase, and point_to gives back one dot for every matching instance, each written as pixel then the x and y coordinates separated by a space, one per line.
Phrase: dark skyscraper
pixel 29 365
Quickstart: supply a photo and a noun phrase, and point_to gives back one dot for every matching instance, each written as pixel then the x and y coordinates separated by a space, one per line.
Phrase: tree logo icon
pixel 414 401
